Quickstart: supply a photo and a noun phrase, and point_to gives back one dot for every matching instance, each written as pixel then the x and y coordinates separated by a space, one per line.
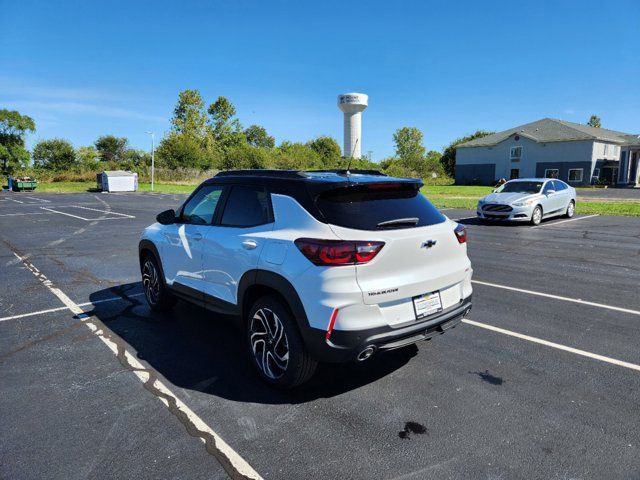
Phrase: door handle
pixel 249 244
pixel 196 237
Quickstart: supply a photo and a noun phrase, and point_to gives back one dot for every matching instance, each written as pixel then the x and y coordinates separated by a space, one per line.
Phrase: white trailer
pixel 118 181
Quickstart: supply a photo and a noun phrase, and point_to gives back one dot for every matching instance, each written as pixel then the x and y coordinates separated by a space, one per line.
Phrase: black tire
pixel 275 345
pixel 571 209
pixel 536 215
pixel 155 290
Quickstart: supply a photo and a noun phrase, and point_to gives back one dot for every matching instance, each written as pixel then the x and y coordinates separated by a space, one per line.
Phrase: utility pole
pixel 153 159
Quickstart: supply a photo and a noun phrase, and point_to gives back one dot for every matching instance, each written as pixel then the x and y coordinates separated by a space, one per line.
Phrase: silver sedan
pixel 529 200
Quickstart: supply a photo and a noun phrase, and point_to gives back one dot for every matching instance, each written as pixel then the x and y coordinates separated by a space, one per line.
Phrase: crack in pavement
pixel 233 464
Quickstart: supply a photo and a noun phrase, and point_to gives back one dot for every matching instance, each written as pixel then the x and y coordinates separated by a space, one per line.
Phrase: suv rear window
pixel 378 207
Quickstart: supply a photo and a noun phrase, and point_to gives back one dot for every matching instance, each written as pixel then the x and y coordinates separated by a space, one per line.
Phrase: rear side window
pixel 378 207
pixel 246 207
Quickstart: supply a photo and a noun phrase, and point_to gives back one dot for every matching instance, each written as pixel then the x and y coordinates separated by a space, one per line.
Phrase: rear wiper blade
pixel 399 221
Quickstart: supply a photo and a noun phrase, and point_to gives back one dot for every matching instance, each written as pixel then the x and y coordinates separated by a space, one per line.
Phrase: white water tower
pixel 352 104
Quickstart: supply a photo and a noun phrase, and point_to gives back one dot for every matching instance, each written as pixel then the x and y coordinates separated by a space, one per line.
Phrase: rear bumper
pixel 345 345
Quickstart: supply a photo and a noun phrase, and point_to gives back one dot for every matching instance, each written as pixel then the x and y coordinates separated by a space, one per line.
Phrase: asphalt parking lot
pixel 543 381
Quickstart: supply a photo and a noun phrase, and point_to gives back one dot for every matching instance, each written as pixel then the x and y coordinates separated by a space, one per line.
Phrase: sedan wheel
pixel 536 216
pixel 571 209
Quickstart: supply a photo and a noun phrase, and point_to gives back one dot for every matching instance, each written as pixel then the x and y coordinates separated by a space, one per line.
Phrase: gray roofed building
pixel 578 154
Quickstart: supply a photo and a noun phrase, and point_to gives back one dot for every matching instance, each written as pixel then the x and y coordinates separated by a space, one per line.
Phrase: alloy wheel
pixel 269 343
pixel 150 281
pixel 537 215
pixel 571 209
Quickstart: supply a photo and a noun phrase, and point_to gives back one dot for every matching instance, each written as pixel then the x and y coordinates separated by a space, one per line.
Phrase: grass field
pixel 64 187
pixel 443 196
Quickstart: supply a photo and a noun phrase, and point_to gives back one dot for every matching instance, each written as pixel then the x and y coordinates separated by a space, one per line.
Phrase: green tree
pixel 183 151
pixel 55 154
pixel 245 157
pixel 594 121
pixel 112 148
pixel 327 148
pixel 448 159
pixel 257 136
pixel 13 130
pixel 227 130
pixel 297 156
pixel 189 116
pixel 88 158
pixel 408 142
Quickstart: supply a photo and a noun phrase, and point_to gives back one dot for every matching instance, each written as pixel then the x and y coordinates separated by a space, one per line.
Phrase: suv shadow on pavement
pixel 200 350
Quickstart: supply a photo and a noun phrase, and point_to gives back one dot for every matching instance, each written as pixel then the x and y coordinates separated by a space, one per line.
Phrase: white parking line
pixel 105 211
pixel 229 459
pixel 59 309
pixel 121 215
pixel 21 214
pixel 41 200
pixel 14 200
pixel 565 221
pixel 64 213
pixel 559 346
pixel 558 297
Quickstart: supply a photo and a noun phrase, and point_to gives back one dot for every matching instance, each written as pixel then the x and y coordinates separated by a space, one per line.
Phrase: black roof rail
pixel 261 173
pixel 352 170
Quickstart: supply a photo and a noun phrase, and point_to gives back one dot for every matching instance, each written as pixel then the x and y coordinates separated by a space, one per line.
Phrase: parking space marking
pixel 14 200
pixel 21 214
pixel 104 211
pixel 558 346
pixel 41 200
pixel 565 221
pixel 230 460
pixel 63 213
pixel 558 297
pixel 59 309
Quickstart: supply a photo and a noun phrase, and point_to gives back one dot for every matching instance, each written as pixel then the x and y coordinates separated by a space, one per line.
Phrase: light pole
pixel 153 159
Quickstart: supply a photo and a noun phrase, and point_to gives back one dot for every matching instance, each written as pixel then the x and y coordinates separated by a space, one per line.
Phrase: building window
pixel 606 149
pixel 575 174
pixel 516 153
pixel 551 173
pixel 596 172
pixel 515 173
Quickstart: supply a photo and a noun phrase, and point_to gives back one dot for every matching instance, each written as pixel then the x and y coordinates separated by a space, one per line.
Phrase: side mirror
pixel 167 217
pixel 549 192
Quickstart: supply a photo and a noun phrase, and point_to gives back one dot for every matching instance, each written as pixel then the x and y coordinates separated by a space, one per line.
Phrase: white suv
pixel 324 266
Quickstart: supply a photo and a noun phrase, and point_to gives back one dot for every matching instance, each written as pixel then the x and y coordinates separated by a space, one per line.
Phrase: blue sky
pixel 83 69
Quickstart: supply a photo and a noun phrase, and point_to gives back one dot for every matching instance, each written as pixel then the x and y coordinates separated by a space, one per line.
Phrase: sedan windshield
pixel 520 187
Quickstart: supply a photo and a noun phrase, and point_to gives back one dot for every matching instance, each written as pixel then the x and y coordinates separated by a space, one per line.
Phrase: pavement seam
pixel 235 466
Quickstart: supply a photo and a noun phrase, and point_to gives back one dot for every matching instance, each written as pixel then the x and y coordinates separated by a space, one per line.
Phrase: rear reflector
pixel 338 252
pixel 461 233
pixel 332 322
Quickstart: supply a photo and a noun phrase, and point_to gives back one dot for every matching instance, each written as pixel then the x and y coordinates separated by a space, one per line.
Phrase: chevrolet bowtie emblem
pixel 428 244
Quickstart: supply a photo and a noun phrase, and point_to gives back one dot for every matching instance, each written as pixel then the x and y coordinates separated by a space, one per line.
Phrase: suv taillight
pixel 338 252
pixel 461 233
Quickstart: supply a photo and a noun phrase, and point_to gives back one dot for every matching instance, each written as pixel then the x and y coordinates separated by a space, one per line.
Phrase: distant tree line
pixel 211 137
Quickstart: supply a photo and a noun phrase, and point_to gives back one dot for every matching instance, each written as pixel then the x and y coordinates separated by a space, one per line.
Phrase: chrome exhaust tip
pixel 366 353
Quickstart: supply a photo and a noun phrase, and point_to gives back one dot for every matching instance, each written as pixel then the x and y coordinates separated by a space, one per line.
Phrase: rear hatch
pixel 421 252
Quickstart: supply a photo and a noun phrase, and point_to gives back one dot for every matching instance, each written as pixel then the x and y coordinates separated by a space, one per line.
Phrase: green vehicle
pixel 21 184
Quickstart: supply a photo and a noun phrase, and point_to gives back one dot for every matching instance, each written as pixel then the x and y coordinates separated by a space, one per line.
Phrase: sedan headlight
pixel 524 203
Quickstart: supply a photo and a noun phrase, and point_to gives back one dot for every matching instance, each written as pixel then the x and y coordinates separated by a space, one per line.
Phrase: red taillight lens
pixel 338 252
pixel 461 233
